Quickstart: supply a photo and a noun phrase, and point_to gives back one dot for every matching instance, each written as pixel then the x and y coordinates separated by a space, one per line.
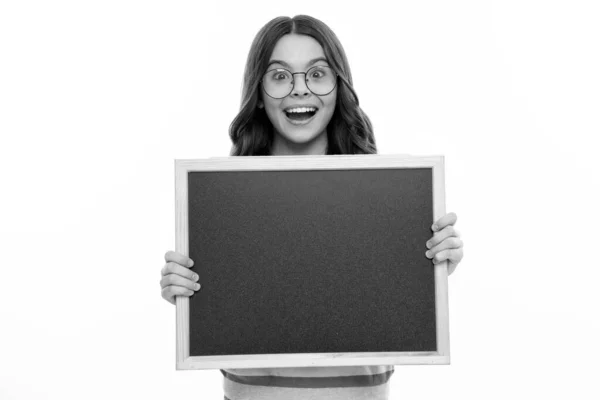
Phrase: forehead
pixel 297 50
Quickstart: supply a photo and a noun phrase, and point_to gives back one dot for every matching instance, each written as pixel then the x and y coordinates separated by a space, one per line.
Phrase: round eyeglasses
pixel 279 83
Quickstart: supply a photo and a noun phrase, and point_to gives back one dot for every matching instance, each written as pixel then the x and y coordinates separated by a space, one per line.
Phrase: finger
pixel 440 236
pixel 452 255
pixel 179 259
pixel 166 294
pixel 448 219
pixel 448 243
pixel 453 262
pixel 451 268
pixel 174 268
pixel 177 280
pixel 170 292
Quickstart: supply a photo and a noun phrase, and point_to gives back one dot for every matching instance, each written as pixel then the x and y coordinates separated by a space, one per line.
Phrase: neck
pixel 283 147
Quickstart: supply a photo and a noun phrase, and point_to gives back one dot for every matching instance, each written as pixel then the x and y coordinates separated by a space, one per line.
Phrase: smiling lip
pixel 295 122
pixel 301 106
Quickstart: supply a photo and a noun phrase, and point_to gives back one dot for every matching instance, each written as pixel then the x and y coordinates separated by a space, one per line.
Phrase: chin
pixel 300 136
pixel 300 142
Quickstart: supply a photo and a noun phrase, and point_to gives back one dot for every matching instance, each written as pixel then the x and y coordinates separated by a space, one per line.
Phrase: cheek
pixel 330 106
pixel 273 111
pixel 328 114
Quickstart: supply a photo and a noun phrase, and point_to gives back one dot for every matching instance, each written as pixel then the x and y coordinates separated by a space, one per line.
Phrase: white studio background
pixel 98 98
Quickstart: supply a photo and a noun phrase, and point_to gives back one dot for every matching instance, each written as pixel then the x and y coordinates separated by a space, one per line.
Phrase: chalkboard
pixel 311 261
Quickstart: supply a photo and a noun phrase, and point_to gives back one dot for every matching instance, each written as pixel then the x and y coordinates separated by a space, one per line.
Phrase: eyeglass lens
pixel 278 83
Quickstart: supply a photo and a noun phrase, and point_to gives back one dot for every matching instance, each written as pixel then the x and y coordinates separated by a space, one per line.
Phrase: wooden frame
pixel 182 167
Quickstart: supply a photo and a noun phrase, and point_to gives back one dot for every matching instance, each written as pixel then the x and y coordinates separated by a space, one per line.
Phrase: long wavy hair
pixel 349 131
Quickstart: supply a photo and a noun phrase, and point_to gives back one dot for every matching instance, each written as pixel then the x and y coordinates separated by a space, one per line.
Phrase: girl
pixel 298 99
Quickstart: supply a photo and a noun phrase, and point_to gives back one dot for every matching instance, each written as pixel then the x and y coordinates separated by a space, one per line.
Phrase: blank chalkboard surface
pixel 311 261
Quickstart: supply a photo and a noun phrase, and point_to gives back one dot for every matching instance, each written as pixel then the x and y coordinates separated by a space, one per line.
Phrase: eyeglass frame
pixel 294 81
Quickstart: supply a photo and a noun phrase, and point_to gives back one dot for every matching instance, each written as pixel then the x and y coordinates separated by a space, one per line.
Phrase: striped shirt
pixel 309 383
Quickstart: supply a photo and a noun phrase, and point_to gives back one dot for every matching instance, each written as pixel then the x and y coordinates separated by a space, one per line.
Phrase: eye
pixel 319 72
pixel 278 75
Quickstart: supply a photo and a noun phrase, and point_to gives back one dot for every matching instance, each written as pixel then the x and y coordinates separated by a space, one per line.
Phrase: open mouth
pixel 301 114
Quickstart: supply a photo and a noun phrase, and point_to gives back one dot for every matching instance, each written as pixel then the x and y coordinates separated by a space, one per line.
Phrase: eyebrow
pixel 311 62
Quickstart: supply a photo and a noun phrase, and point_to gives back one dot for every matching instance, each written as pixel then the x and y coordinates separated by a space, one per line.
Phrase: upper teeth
pixel 301 109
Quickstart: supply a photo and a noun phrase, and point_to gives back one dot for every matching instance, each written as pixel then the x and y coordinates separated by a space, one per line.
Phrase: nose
pixel 300 88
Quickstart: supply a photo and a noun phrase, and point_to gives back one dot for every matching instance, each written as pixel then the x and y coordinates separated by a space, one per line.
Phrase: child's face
pixel 303 133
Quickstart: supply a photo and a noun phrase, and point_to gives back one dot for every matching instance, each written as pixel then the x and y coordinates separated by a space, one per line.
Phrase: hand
pixel 177 279
pixel 445 243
